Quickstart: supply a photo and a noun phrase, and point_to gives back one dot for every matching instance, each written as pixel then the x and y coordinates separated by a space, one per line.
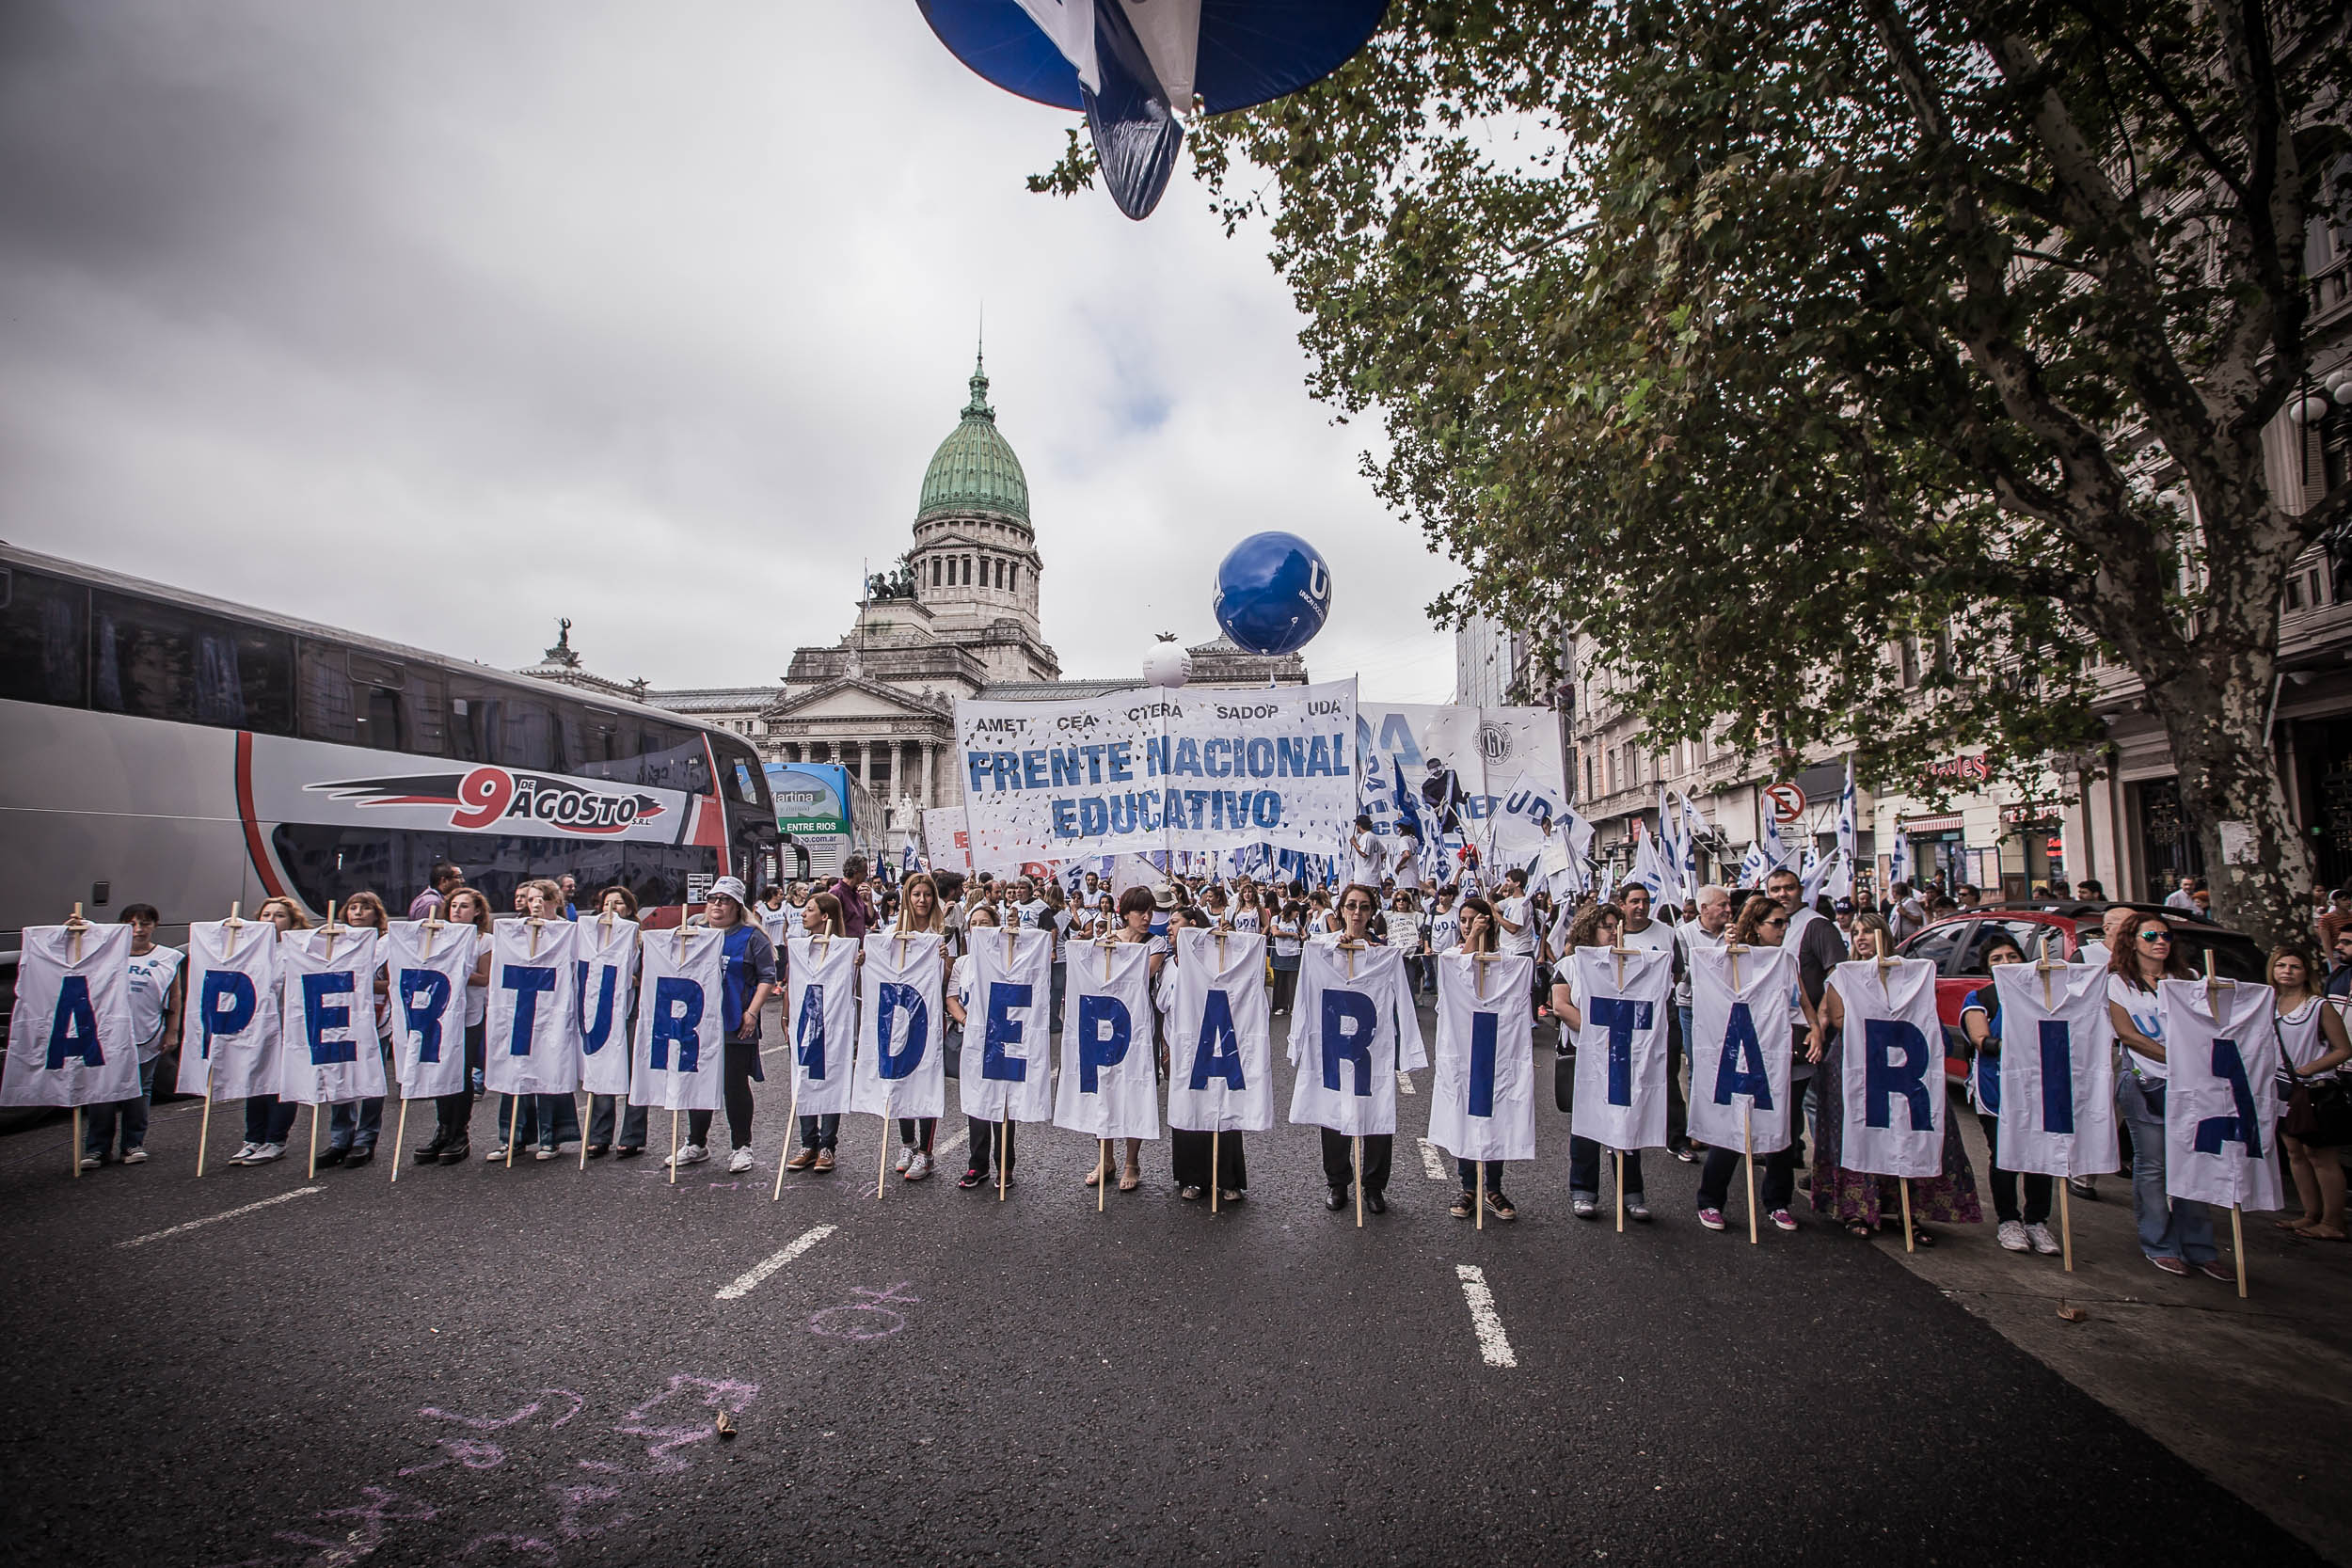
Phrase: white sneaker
pixel 2044 1243
pixel 545 1154
pixel 495 1152
pixel 918 1167
pixel 689 1154
pixel 91 1162
pixel 135 1156
pixel 244 1153
pixel 264 1153
pixel 906 1157
pixel 2012 1235
pixel 739 1161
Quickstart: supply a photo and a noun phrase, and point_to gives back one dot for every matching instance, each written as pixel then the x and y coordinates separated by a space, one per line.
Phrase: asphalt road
pixel 482 1366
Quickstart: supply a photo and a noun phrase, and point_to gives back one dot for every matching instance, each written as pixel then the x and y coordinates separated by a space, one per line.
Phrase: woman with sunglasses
pixel 1861 1200
pixel 2177 1236
pixel 1764 923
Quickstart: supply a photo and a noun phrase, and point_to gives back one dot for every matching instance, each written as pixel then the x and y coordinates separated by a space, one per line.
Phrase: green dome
pixel 975 471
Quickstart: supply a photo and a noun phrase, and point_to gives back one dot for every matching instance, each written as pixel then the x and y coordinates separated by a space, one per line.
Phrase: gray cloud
pixel 440 319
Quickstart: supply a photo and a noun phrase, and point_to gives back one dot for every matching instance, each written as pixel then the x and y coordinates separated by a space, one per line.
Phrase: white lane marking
pixel 215 1219
pixel 1432 1163
pixel 1492 1343
pixel 744 1283
pixel 1405 1084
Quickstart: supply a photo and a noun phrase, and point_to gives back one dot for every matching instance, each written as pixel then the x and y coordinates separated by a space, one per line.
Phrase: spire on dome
pixel 978 409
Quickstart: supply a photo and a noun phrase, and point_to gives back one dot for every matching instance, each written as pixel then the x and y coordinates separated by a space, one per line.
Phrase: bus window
pixel 155 661
pixel 529 737
pixel 745 791
pixel 43 642
pixel 325 710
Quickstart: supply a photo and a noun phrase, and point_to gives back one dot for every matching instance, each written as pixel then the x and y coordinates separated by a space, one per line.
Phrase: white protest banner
pixel 605 960
pixel 1496 775
pixel 945 839
pixel 1891 1067
pixel 429 966
pixel 70 1039
pixel 1007 1068
pixel 677 1060
pixel 228 1030
pixel 1482 1103
pixel 1159 770
pixel 2221 1106
pixel 2056 1092
pixel 1621 1049
pixel 326 992
pixel 1108 1087
pixel 821 1019
pixel 1352 1030
pixel 1221 1076
pixel 898 1072
pixel 532 1043
pixel 1741 1064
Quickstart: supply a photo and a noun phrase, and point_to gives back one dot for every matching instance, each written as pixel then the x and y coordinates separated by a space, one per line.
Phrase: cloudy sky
pixel 443 317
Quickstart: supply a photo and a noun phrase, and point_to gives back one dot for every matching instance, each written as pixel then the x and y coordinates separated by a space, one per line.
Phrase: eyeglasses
pixel 1776 920
pixel 2156 936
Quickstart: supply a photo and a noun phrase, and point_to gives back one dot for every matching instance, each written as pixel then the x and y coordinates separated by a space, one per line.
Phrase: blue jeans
pixel 602 1109
pixel 822 1131
pixel 98 1130
pixel 2168 1227
pixel 358 1123
pixel 552 1120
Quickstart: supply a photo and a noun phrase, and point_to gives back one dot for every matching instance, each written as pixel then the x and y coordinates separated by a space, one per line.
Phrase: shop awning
pixel 1946 823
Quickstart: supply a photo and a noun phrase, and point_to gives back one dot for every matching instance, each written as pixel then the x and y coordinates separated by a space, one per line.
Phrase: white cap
pixel 729 887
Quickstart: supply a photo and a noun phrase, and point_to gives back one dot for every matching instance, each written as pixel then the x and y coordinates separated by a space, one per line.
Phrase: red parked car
pixel 1957 943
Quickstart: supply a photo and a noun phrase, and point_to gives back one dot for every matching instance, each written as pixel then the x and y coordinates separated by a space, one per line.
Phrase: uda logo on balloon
pixel 1273 594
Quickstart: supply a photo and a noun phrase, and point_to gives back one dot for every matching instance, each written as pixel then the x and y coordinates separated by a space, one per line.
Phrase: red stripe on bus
pixel 255 849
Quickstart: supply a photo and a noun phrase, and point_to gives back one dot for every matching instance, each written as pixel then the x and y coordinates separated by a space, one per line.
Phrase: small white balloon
pixel 1168 666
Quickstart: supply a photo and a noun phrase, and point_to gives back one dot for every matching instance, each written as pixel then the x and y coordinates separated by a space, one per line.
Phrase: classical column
pixel 929 795
pixel 866 765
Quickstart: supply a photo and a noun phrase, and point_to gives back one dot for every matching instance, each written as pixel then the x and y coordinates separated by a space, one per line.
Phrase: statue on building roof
pixel 561 652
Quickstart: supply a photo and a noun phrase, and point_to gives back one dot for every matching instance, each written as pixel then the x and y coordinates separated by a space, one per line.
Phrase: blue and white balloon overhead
pixel 1133 66
pixel 1273 593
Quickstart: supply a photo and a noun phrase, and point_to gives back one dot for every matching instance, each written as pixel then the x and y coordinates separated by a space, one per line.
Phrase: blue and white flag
pixel 531 1045
pixel 228 1029
pixel 428 964
pixel 1482 1103
pixel 71 1040
pixel 902 1021
pixel 820 1021
pixel 1846 838
pixel 2221 1105
pixel 1755 866
pixel 1007 1064
pixel 1898 859
pixel 1108 1087
pixel 326 992
pixel 1891 1072
pixel 1623 997
pixel 2055 1094
pixel 1220 1035
pixel 679 1060
pixel 1740 1048
pixel 1650 868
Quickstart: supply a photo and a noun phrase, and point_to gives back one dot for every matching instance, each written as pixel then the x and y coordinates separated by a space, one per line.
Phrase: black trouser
pixel 1286 989
pixel 1584 1168
pixel 1677 1112
pixel 742 1057
pixel 1339 1155
pixel 1189 1154
pixel 2004 1182
pixel 983 1142
pixel 915 1131
pixel 821 1131
pixel 602 1110
pixel 1470 1176
pixel 452 1113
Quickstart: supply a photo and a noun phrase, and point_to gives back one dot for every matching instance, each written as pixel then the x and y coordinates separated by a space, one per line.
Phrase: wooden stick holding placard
pixel 1747 1148
pixel 2214 983
pixel 1908 1239
pixel 1481 1199
pixel 74 926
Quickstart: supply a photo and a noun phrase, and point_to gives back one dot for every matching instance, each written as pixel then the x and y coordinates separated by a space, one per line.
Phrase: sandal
pixel 1094 1176
pixel 1464 1207
pixel 1130 1182
pixel 1856 1228
pixel 1921 1235
pixel 1499 1206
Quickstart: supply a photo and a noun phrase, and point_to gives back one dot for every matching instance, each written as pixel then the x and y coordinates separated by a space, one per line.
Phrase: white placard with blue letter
pixel 228 1028
pixel 677 1061
pixel 1353 1030
pixel 326 995
pixel 429 965
pixel 1624 996
pixel 70 1039
pixel 605 972
pixel 1220 1035
pixel 1108 1087
pixel 1740 1065
pixel 1482 1103
pixel 1890 1068
pixel 900 1022
pixel 820 1017
pixel 2221 1109
pixel 1007 1064
pixel 1147 771
pixel 2057 1070
pixel 532 1043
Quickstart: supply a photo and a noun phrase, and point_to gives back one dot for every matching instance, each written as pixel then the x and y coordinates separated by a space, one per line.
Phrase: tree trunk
pixel 2218 715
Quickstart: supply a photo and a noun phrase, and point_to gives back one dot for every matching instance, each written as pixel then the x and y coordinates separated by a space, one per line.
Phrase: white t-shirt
pixel 1248 919
pixel 1364 859
pixel 1287 938
pixel 2146 1017
pixel 2176 899
pixel 151 974
pixel 1689 938
pixel 1521 940
pixel 1405 868
pixel 1445 930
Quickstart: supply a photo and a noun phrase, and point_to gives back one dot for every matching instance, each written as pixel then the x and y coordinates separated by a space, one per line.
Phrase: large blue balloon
pixel 1273 593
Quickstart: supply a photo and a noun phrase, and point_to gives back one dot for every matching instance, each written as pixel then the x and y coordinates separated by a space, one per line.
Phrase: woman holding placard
pixel 1980 1021
pixel 2176 1236
pixel 1598 926
pixel 984 1135
pixel 353 1127
pixel 749 978
pixel 1476 919
pixel 1860 1200
pixel 821 1131
pixel 453 1113
pixel 268 1121
pixel 603 1109
pixel 918 910
pixel 550 1120
pixel 2313 1047
pixel 1137 906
